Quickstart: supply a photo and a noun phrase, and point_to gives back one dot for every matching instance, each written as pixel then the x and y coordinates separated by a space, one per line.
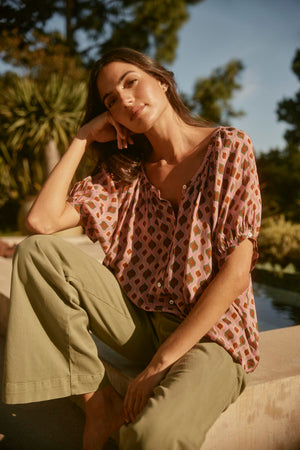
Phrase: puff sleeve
pixel 96 200
pixel 237 200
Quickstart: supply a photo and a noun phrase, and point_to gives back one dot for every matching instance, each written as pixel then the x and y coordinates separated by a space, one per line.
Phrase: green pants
pixel 58 295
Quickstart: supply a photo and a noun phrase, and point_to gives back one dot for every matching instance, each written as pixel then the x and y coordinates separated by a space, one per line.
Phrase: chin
pixel 140 128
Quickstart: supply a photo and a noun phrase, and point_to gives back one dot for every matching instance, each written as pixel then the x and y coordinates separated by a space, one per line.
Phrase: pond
pixel 276 308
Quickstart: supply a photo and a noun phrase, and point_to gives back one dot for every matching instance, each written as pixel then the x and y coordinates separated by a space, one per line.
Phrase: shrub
pixel 279 242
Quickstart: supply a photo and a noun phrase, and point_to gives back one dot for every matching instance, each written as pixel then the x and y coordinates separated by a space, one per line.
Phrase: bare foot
pixel 104 415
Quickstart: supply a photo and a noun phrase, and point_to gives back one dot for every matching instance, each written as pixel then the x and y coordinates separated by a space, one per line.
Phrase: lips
pixel 136 111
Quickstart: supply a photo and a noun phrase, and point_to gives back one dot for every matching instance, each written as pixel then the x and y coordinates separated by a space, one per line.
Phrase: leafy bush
pixel 37 122
pixel 279 242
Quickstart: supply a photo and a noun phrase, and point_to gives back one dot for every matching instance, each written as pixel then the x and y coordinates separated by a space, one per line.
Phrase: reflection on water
pixel 276 308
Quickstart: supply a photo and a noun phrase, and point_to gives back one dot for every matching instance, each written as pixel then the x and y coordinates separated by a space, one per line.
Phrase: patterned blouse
pixel 165 261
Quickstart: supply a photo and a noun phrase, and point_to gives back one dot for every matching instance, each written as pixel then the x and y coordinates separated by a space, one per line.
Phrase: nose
pixel 126 98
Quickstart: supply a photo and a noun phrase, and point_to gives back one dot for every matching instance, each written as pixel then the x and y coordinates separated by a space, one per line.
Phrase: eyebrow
pixel 119 81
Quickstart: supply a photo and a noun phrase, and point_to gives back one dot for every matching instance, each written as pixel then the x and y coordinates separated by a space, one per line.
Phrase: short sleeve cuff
pixel 226 246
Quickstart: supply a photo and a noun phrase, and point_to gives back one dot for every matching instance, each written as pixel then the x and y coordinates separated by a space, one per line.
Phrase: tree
pixel 39 53
pixel 289 109
pixel 212 95
pixel 146 25
pixel 279 176
pixel 279 169
pixel 36 125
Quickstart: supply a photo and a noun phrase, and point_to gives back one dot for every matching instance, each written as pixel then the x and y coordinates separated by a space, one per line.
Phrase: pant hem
pixel 37 391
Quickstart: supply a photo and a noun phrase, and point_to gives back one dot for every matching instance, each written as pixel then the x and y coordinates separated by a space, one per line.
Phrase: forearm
pixel 228 284
pixel 50 211
pixel 220 293
pixel 50 204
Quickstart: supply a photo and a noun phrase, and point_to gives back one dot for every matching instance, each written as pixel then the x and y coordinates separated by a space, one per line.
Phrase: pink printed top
pixel 164 261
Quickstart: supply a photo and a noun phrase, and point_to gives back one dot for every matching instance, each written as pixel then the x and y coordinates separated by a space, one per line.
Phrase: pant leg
pixel 196 390
pixel 58 294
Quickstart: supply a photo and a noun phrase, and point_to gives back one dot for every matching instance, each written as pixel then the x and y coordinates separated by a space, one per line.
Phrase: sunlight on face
pixel 134 98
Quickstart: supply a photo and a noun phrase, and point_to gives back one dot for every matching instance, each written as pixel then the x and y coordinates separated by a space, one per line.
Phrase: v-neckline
pixel 193 177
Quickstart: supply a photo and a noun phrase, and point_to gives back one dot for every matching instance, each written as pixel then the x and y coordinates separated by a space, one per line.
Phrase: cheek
pixel 121 117
pixel 150 94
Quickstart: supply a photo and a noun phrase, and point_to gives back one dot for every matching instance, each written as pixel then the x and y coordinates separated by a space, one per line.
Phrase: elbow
pixel 242 281
pixel 37 225
pixel 237 276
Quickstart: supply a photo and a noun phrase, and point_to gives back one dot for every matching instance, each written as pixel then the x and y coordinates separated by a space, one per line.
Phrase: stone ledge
pixel 267 415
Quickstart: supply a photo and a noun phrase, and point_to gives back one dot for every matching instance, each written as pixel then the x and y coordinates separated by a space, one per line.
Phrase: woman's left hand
pixel 139 391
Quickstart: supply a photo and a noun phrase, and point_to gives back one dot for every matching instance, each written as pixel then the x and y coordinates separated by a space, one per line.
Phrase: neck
pixel 172 139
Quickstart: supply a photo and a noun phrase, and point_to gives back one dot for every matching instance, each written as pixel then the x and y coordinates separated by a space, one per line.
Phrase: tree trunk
pixel 51 156
pixel 69 4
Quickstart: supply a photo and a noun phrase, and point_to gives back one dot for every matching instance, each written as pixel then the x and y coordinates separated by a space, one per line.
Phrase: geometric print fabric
pixel 165 261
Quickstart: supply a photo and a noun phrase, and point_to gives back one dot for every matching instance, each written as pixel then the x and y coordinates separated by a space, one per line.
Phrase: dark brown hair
pixel 126 163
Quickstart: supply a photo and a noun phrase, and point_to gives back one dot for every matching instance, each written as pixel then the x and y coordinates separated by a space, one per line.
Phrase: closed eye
pixel 128 83
pixel 131 82
pixel 110 102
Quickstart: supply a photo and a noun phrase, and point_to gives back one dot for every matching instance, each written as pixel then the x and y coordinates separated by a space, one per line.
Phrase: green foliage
pixel 212 95
pixel 150 25
pixel 279 242
pixel 32 114
pixel 280 182
pixel 19 175
pixel 289 110
pixel 39 52
pixel 279 169
pixel 146 25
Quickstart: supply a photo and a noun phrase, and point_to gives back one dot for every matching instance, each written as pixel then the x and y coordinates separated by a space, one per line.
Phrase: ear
pixel 164 86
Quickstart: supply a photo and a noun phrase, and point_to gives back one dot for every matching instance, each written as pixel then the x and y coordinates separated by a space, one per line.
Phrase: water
pixel 276 308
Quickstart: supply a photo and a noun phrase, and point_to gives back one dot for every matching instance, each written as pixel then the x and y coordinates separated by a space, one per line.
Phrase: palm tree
pixel 38 121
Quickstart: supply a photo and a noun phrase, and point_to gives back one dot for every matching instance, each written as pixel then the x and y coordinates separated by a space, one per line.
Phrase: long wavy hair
pixel 126 164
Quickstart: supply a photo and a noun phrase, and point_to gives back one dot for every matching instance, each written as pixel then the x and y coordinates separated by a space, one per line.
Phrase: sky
pixel 264 35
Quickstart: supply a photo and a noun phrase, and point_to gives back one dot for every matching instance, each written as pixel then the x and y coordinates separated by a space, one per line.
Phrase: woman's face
pixel 135 99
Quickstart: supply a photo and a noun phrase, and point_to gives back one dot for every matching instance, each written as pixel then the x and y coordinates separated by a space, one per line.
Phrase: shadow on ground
pixel 52 425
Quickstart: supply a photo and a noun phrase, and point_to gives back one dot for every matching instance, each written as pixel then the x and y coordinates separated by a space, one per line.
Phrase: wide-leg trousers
pixel 58 295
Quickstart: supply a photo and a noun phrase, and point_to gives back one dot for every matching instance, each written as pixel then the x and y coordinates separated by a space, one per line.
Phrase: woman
pixel 175 205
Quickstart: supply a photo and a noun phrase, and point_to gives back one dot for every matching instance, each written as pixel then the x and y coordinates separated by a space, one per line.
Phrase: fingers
pixel 130 140
pixel 134 403
pixel 123 137
pixel 123 134
pixel 138 405
pixel 126 409
pixel 127 405
pixel 130 406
